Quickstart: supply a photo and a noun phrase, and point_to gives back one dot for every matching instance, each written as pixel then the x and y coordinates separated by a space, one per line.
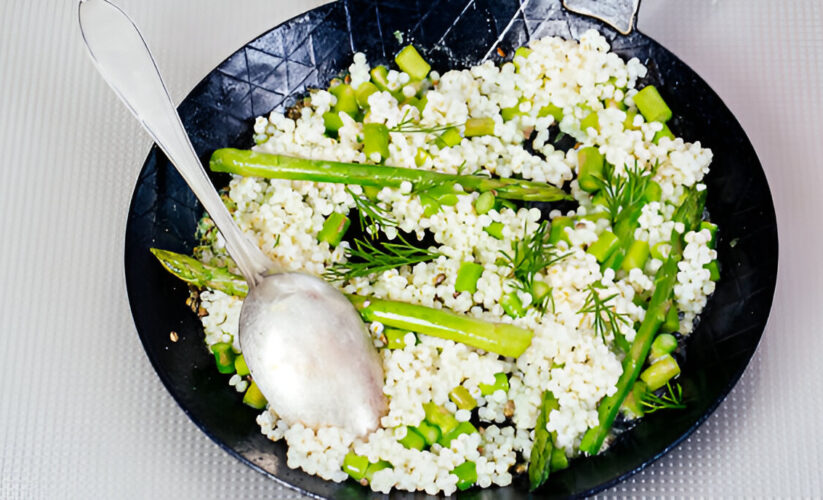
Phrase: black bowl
pixel 272 71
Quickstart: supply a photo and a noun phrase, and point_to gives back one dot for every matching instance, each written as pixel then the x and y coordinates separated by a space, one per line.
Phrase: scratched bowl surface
pixel 272 71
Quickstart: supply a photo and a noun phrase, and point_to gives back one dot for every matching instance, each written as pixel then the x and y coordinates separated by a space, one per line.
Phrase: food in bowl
pixel 510 341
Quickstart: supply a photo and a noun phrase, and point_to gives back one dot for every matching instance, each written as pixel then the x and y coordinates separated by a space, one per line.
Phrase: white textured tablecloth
pixel 82 413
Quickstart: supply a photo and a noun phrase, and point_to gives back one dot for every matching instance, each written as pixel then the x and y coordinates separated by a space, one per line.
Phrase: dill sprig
pixel 530 255
pixel 365 258
pixel 622 193
pixel 372 217
pixel 407 125
pixel 605 318
pixel 671 400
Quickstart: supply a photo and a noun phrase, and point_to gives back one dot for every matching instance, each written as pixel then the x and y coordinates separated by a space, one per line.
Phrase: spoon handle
pixel 121 55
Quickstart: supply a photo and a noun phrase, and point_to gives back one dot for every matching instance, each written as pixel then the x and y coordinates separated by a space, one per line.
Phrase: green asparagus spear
pixel 201 275
pixel 501 338
pixel 541 455
pixel 252 163
pixel 689 213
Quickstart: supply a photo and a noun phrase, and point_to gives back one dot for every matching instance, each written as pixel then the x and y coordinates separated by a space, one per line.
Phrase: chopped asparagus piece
pixel 346 99
pixel 334 228
pixel 501 383
pixel 590 121
pixel 375 141
pixel 495 230
pixel 541 453
pixel 439 416
pixel 479 126
pixel 512 305
pixel 557 232
pixel 450 137
pixel 410 61
pixel 380 77
pixel 461 428
pixel 551 110
pixel 413 440
pixel 605 245
pixel 430 432
pixel 461 397
pixel 651 105
pixel 254 397
pixel 363 92
pixel 484 203
pixel 664 132
pixel 223 356
pixel 240 366
pixel 663 344
pixel 636 256
pixel 355 465
pixel 466 475
pixel 590 164
pixel 660 372
pixel 467 277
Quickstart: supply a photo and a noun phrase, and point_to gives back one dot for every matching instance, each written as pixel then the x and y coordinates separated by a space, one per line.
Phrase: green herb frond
pixel 365 258
pixel 371 215
pixel 622 193
pixel 672 399
pixel 529 256
pixel 605 319
pixel 408 125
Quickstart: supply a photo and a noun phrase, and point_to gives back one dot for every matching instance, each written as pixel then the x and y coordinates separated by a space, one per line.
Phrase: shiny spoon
pixel 306 347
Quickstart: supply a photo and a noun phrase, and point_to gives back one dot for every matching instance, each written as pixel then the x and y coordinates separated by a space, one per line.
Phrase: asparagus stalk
pixel 689 213
pixel 500 338
pixel 194 272
pixel 253 163
pixel 541 454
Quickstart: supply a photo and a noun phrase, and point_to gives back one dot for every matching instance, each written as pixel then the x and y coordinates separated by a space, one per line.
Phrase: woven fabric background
pixel 82 414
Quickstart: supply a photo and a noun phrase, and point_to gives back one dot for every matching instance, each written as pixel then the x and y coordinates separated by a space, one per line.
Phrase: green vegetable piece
pixel 559 459
pixel 421 156
pixel 363 92
pixel 512 305
pixel 462 428
pixel 333 122
pixel 450 137
pixel 509 113
pixel 663 344
pixel 605 245
pixel 591 120
pixel 660 372
pixel 413 440
pixel 653 191
pixel 467 277
pixel 540 291
pixel 421 103
pixel 632 406
pixel 376 140
pixel 240 366
pixel 410 61
pixel 636 255
pixel 462 398
pixel 355 465
pixel 479 126
pixel 661 250
pixel 439 416
pixel 372 468
pixel 590 163
pixel 380 77
pixel 714 270
pixel 484 203
pixel 672 321
pixel 557 232
pixel 651 105
pixel 395 338
pixel 541 454
pixel 411 101
pixel 501 383
pixel 495 230
pixel 346 99
pixel 704 224
pixel 277 166
pixel 254 397
pixel 466 475
pixel 430 432
pixel 201 275
pixel 224 357
pixel 334 228
pixel 551 110
pixel 501 338
pixel 664 132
